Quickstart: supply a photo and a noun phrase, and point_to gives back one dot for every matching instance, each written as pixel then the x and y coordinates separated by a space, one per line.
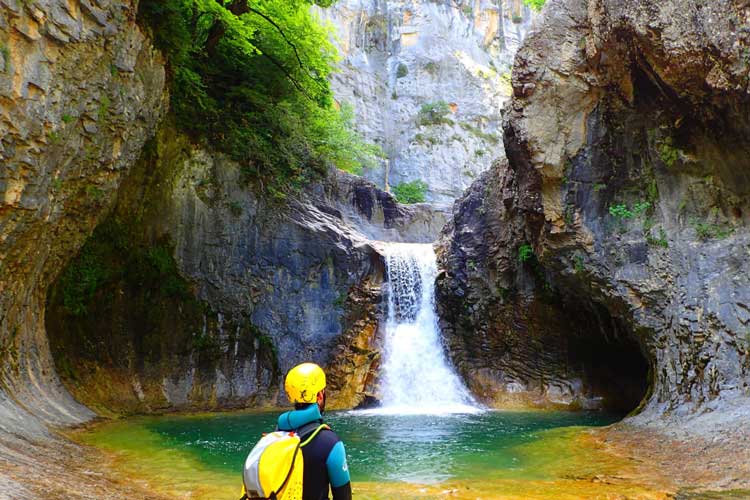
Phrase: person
pixel 324 456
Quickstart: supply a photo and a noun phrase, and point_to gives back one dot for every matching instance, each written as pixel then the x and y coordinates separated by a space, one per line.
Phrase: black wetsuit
pixel 325 457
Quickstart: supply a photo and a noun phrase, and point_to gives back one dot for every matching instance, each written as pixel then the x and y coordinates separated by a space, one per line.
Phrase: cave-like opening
pixel 609 357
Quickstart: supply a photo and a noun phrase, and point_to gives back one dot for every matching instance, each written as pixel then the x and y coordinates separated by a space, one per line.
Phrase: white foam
pixel 417 377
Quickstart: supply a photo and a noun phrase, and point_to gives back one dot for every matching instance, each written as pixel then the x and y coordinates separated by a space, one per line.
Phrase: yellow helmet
pixel 304 382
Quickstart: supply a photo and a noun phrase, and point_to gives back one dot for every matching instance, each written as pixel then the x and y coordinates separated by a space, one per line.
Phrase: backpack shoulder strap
pixel 313 428
pixel 314 433
pixel 308 431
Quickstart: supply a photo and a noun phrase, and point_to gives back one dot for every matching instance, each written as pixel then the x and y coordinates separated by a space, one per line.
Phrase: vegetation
pixel 402 71
pixel 707 231
pixel 668 153
pixel 340 299
pixel 251 80
pixel 94 193
pixel 476 131
pixel 660 241
pixel 111 254
pixel 432 68
pixel 206 345
pixel 411 192
pixel 621 211
pixel 525 253
pixel 506 81
pixel 54 137
pixel 426 139
pixel 103 110
pixel 235 207
pixel 535 4
pixel 434 113
pixel 578 263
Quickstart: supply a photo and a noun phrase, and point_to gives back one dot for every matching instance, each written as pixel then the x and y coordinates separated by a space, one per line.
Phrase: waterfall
pixel 416 375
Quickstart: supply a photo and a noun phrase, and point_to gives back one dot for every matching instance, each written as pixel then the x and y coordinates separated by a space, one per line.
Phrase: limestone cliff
pixel 398 56
pixel 80 92
pixel 624 207
pixel 194 291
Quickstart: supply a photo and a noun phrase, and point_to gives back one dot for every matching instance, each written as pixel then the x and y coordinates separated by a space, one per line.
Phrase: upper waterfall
pixel 417 377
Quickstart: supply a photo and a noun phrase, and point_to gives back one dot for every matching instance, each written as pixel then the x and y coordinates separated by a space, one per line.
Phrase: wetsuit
pixel 325 457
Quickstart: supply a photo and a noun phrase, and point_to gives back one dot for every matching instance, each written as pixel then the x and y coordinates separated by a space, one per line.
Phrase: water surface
pixel 494 454
pixel 413 448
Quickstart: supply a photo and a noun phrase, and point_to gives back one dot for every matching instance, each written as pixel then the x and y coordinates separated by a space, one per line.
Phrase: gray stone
pixel 615 104
pixel 399 55
pixel 43 224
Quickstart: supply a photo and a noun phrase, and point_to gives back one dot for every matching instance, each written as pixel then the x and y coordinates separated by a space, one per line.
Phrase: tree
pixel 251 79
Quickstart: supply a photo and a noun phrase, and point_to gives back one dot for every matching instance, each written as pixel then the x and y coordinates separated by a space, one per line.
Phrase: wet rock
pixel 268 284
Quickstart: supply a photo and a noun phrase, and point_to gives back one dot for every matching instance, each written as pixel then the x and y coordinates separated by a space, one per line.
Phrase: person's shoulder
pixel 328 435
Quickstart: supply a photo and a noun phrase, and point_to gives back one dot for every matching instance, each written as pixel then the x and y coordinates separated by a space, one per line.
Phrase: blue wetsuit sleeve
pixel 338 470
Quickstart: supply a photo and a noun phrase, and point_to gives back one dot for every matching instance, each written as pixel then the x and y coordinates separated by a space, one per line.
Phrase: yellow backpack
pixel 274 468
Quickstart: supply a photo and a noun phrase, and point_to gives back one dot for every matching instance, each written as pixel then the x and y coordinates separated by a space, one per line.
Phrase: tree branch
pixel 239 7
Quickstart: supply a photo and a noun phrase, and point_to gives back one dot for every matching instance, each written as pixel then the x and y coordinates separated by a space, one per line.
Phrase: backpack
pixel 273 469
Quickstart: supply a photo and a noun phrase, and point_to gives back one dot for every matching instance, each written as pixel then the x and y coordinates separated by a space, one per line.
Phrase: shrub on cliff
pixel 252 80
pixel 411 192
pixel 434 113
pixel 535 4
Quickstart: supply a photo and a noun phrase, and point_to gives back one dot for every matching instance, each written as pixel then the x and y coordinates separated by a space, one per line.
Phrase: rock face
pixel 401 55
pixel 255 286
pixel 197 293
pixel 627 194
pixel 518 339
pixel 80 92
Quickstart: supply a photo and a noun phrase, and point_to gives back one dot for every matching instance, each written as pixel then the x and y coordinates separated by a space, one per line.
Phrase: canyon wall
pixel 604 263
pixel 207 292
pixel 624 207
pixel 203 293
pixel 398 56
pixel 81 90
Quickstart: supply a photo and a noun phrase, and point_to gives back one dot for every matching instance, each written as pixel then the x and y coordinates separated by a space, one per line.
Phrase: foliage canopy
pixel 251 78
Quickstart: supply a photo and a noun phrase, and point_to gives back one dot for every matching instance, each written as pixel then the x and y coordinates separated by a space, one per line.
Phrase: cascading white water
pixel 417 377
